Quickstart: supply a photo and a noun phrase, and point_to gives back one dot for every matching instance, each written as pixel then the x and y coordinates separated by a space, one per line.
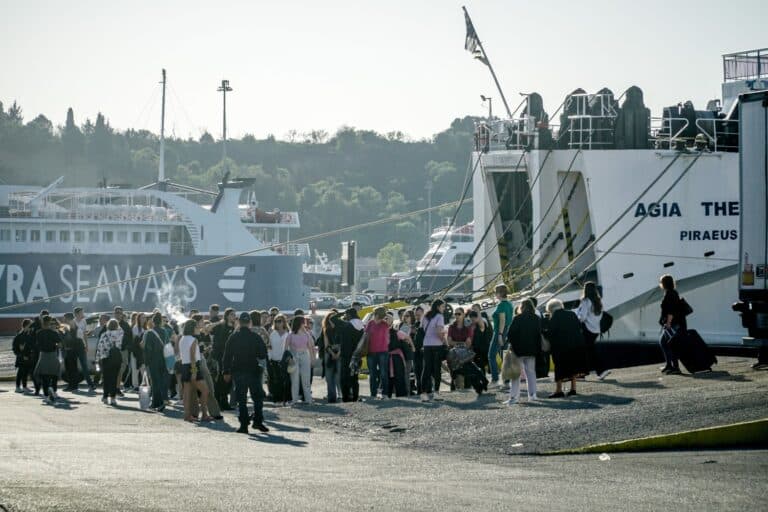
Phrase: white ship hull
pixel 692 234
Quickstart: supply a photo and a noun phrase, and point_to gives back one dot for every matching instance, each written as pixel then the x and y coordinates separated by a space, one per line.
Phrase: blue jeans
pixel 80 352
pixel 494 350
pixel 245 381
pixel 378 372
pixel 669 355
pixel 332 376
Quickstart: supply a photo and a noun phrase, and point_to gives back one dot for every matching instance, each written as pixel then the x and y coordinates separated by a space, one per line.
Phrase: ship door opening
pixel 572 234
pixel 515 240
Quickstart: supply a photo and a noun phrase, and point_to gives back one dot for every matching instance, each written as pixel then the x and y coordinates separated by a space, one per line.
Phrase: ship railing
pixel 584 133
pixel 297 250
pixel 505 134
pixel 661 131
pixel 722 134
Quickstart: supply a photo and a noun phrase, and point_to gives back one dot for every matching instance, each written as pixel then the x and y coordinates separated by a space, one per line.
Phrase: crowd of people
pixel 209 363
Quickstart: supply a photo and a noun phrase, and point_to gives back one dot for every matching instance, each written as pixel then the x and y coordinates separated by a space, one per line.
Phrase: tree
pixel 15 114
pixel 71 138
pixel 391 258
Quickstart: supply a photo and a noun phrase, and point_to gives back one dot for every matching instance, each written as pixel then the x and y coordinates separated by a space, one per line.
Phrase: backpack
pixel 606 322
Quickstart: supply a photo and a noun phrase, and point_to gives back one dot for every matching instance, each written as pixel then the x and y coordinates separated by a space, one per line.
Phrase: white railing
pixel 709 127
pixel 661 130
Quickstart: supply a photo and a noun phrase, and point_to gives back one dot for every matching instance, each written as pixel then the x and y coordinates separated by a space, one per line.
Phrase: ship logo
pixel 233 289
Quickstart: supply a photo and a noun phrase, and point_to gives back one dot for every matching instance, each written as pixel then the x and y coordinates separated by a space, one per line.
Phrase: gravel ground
pixel 634 402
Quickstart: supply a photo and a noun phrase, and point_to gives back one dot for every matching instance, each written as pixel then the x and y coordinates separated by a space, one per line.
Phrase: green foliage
pixel 391 258
pixel 350 177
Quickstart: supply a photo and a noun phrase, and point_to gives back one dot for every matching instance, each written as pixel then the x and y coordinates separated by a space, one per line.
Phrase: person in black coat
pixel 221 333
pixel 672 321
pixel 563 330
pixel 348 337
pixel 244 354
pixel 154 358
pixel 24 350
pixel 524 338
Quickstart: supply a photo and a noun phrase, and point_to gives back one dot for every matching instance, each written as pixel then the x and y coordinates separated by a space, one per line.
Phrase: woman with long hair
pixel 433 324
pixel 299 342
pixel 589 312
pixel 191 375
pixel 408 327
pixel 332 357
pixel 672 321
pixel 110 358
pixel 278 381
pixel 525 342
pixel 136 355
pixel 23 350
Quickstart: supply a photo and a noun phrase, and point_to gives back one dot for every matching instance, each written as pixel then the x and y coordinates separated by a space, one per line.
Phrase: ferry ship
pixel 164 245
pixel 70 243
pixel 613 195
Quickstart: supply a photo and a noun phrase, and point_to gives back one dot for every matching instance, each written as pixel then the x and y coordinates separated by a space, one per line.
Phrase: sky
pixel 378 65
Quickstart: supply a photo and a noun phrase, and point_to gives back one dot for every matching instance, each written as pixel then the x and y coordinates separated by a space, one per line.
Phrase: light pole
pixel 428 187
pixel 490 106
pixel 224 88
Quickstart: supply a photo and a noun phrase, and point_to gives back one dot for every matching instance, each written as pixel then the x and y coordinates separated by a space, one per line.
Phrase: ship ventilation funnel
pixel 633 123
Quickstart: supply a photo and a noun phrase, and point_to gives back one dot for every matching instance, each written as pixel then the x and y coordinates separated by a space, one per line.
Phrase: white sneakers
pixel 511 401
pixel 112 401
pixel 104 400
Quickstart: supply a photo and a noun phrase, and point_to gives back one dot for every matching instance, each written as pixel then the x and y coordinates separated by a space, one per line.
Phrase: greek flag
pixel 472 42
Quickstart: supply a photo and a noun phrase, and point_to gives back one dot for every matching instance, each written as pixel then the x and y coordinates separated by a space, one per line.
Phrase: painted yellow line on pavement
pixel 745 434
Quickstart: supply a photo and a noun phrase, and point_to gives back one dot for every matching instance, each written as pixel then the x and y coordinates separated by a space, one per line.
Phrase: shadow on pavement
pixel 281 427
pixel 719 375
pixel 646 384
pixel 274 439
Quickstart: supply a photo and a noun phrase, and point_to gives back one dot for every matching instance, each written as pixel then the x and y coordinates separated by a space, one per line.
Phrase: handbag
pixel 685 308
pixel 510 367
pixel 546 346
pixel 115 358
pixel 144 396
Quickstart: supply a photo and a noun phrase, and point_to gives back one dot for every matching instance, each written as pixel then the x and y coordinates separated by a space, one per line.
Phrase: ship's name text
pixel 709 209
pixel 73 278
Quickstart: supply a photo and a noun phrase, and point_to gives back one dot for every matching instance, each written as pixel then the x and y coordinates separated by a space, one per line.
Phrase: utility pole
pixel 490 106
pixel 224 88
pixel 161 170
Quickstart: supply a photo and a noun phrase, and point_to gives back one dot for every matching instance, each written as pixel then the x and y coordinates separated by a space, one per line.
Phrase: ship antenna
pixel 224 89
pixel 161 170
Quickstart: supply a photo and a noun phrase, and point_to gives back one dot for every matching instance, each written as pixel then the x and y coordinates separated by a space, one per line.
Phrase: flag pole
pixel 488 62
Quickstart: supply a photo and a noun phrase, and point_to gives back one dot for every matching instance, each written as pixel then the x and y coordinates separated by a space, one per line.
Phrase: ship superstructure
pixel 613 195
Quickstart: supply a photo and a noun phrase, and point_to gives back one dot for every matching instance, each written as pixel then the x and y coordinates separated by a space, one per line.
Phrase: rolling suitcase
pixel 691 350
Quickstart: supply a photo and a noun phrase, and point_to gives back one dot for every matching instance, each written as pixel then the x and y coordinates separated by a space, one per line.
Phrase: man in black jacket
pixel 221 333
pixel 243 357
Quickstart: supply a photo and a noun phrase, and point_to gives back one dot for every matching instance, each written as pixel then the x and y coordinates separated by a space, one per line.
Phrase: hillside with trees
pixel 347 178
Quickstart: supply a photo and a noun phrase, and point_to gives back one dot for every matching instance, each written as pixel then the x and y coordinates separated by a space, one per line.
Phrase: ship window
pixel 108 237
pixel 50 236
pixel 122 236
pixel 136 237
pixel 463 258
pixel 162 237
pixel 63 236
pixel 21 235
pixel 34 235
pixel 149 237
pixel 80 236
pixel 93 237
pixel 5 235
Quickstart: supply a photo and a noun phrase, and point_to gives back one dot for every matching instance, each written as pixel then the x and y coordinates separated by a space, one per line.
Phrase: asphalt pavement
pixel 83 455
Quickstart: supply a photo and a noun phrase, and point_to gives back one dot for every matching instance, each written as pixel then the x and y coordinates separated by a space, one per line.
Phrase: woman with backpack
pixel 590 312
pixel 110 358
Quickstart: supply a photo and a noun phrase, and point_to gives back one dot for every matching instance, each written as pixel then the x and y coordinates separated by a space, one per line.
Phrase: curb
pixel 748 434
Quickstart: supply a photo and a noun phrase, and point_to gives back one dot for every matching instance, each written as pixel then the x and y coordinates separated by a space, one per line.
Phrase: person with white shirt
pixel 278 381
pixel 589 312
pixel 191 375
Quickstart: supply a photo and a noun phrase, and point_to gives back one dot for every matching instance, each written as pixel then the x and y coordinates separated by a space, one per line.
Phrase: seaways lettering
pixel 72 279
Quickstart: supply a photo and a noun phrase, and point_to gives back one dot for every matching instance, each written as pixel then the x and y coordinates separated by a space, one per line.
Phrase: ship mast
pixel 161 170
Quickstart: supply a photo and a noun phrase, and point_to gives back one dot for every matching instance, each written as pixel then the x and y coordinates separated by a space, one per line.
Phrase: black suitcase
pixel 691 350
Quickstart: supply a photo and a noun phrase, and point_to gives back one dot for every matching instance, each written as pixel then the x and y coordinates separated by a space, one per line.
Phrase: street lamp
pixel 490 106
pixel 224 88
